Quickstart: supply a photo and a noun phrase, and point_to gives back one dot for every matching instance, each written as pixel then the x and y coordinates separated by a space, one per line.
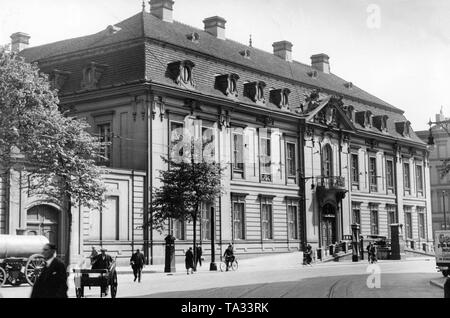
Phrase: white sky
pixel 403 57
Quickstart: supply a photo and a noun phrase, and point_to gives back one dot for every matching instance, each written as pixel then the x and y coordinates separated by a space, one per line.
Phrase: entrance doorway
pixel 44 220
pixel 328 225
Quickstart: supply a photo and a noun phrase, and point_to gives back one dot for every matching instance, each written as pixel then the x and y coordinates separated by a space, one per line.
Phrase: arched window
pixel 327 161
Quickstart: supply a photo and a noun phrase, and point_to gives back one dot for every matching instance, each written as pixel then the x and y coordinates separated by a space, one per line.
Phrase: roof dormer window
pixel 255 91
pixel 245 53
pixel 92 74
pixel 181 72
pixel 403 128
pixel 58 78
pixel 364 118
pixel 380 122
pixel 227 84
pixel 280 97
pixel 194 37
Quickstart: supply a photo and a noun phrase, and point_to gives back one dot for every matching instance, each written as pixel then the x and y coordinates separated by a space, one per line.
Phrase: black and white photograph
pixel 224 154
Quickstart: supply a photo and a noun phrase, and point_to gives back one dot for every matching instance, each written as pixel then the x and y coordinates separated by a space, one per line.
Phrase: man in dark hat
pixel 103 261
pixel 137 262
pixel 52 282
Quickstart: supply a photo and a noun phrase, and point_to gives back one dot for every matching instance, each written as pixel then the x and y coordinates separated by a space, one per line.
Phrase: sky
pixel 397 50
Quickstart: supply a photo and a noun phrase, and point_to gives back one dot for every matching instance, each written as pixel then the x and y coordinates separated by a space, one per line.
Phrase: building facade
pixel 306 153
pixel 440 182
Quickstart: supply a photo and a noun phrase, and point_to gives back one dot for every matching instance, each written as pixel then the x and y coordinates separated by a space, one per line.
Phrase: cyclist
pixel 229 256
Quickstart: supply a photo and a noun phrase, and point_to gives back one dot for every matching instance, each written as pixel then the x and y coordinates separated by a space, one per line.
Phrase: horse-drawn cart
pixel 96 278
pixel 20 259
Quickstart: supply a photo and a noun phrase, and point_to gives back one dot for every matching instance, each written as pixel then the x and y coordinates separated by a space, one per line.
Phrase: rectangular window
pixel 291 160
pixel 392 217
pixel 238 205
pixel 238 153
pixel 179 229
pixel 374 219
pixel 105 136
pixel 355 170
pixel 421 220
pixel 266 216
pixel 408 223
pixel 406 178
pixel 419 179
pixel 390 174
pixel 373 174
pixel 292 214
pixel 206 222
pixel 176 139
pixel 356 213
pixel 266 158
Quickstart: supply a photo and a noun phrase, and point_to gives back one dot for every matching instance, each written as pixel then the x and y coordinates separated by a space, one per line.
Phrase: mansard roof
pixel 144 26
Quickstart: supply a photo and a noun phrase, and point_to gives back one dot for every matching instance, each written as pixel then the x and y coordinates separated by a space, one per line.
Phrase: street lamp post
pixel 213 265
pixel 443 205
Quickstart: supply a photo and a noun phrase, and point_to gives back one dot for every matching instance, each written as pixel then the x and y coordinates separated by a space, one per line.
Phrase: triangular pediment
pixel 329 113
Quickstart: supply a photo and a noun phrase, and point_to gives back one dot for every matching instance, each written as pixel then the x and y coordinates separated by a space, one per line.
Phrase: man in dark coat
pixel 189 261
pixel 103 261
pixel 52 282
pixel 137 262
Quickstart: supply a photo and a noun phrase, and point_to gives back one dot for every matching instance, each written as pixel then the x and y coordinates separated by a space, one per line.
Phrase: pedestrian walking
pixel 189 261
pixel 103 261
pixel 307 255
pixel 137 262
pixel 198 256
pixel 52 282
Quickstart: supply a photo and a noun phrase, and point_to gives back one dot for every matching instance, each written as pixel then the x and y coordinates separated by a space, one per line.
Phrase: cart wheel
pixel 34 268
pixel 2 276
pixel 114 285
pixel 235 266
pixel 445 273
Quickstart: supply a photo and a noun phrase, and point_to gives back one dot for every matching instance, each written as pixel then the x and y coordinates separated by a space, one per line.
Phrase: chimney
pixel 19 41
pixel 321 63
pixel 283 49
pixel 162 9
pixel 215 26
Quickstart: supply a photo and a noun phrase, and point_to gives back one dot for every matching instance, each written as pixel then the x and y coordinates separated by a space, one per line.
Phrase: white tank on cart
pixel 21 246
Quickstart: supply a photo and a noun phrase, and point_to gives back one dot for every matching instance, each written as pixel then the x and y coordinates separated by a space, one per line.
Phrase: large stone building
pixel 440 182
pixel 307 153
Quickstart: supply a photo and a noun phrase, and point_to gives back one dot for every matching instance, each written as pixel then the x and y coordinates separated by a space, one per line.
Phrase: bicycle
pixel 234 266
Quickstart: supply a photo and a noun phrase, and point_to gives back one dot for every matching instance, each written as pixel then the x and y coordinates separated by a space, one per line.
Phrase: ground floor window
pixel 374 229
pixel 421 220
pixel 408 223
pixel 292 215
pixel 238 206
pixel 206 222
pixel 356 212
pixel 266 218
pixel 179 229
pixel 392 217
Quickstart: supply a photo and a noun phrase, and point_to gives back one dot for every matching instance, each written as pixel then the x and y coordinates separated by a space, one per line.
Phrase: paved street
pixel 277 277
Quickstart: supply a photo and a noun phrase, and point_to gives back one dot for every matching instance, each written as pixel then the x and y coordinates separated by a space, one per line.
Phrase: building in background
pixel 440 182
pixel 307 153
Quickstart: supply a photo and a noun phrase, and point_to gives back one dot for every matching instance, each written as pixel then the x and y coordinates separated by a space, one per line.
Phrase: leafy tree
pixel 56 151
pixel 186 185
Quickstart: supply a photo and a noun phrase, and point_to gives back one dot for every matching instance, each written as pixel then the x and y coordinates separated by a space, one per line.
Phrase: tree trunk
pixel 69 219
pixel 195 243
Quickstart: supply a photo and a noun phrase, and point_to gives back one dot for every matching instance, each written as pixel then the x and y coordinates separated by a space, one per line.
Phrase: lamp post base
pixel 355 258
pixel 213 267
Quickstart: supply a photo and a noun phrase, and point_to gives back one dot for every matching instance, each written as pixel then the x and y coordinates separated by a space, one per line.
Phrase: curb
pixel 437 283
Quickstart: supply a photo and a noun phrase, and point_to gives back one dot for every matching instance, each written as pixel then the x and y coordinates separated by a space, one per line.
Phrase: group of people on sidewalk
pixel 190 262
